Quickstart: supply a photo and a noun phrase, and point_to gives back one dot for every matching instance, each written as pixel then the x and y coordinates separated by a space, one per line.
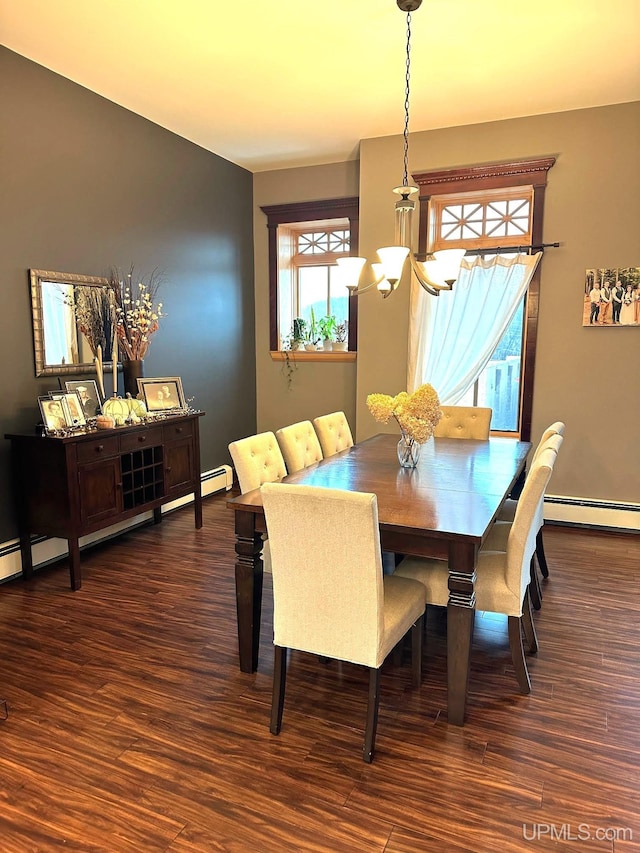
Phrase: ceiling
pixel 270 84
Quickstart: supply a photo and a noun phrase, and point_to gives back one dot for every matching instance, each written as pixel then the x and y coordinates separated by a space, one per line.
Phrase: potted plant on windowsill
pixel 327 326
pixel 340 343
pixel 312 336
pixel 298 333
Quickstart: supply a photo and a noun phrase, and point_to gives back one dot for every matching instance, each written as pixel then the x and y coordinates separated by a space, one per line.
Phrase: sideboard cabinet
pixel 69 487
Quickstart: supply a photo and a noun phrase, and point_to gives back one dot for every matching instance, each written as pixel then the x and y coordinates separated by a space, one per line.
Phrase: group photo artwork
pixel 612 297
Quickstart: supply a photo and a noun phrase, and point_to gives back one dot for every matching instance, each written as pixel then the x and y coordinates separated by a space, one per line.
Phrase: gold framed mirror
pixel 72 314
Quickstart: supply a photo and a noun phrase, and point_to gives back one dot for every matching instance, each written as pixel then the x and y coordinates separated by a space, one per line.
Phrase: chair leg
pixel 528 624
pixel 416 652
pixel 534 586
pixel 517 653
pixel 372 715
pixel 279 683
pixel 542 560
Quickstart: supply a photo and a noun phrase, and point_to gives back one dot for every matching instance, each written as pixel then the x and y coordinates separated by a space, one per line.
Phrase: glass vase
pixel 408 451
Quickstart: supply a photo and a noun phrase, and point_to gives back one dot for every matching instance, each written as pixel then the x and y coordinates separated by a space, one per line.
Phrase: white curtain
pixel 452 336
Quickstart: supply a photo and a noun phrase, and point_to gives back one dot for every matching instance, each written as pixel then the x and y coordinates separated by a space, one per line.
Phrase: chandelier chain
pixel 405 177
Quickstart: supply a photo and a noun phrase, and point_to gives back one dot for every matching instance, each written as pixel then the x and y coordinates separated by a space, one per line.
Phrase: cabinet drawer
pixel 173 431
pixel 91 451
pixel 148 438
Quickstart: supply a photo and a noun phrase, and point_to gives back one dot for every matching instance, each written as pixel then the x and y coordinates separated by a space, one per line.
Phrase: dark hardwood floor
pixel 131 728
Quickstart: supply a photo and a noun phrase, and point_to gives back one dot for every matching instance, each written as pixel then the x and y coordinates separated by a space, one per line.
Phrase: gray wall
pixel 86 185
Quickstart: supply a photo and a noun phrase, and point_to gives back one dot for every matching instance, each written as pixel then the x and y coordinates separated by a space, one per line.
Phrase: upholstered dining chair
pixel 329 594
pixel 299 445
pixel 257 460
pixel 464 422
pixel 502 577
pixel 499 533
pixel 333 432
pixel 508 510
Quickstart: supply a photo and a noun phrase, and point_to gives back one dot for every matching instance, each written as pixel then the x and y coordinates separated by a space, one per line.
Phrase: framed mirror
pixel 72 316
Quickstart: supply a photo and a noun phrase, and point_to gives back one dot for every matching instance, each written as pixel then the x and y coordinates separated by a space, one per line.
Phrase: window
pixel 305 241
pixel 492 208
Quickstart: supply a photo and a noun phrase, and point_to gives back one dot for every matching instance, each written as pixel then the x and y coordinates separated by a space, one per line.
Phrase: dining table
pixel 443 508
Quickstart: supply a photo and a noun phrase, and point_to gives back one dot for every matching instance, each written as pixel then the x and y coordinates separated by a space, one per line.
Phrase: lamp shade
pixel 444 268
pixel 392 259
pixel 350 269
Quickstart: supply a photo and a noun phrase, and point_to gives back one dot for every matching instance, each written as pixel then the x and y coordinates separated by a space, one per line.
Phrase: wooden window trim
pixel 309 211
pixel 499 176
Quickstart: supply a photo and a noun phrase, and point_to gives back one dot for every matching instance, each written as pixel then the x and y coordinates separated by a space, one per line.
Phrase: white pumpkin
pixel 137 409
pixel 117 408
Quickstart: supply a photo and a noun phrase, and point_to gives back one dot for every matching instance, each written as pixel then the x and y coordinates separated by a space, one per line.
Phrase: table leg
pixel 460 619
pixel 26 557
pixel 248 589
pixel 74 564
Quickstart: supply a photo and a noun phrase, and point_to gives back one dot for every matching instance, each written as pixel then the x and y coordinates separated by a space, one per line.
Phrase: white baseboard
pixel 47 550
pixel 585 512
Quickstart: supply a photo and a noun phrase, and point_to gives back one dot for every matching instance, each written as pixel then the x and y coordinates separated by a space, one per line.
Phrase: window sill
pixel 319 355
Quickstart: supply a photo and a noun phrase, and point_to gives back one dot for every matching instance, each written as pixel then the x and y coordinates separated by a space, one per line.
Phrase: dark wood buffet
pixel 78 484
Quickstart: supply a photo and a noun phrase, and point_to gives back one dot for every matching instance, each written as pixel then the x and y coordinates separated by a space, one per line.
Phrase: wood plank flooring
pixel 131 728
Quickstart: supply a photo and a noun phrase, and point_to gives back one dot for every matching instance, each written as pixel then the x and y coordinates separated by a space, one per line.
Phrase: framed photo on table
pixel 72 406
pixel 89 395
pixel 162 394
pixel 54 413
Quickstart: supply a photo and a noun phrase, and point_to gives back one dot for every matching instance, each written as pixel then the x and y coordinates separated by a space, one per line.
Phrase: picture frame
pixel 611 297
pixel 54 414
pixel 72 406
pixel 162 394
pixel 87 390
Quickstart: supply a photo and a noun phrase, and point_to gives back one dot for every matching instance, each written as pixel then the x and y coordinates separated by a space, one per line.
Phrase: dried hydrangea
pixel 417 414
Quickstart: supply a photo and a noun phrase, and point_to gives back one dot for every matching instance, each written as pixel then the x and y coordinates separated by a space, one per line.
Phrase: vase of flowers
pixel 138 315
pixel 417 416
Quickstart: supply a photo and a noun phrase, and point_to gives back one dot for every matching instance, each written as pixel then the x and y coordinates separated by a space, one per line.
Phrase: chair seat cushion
pixel 508 510
pixel 492 592
pixel 404 603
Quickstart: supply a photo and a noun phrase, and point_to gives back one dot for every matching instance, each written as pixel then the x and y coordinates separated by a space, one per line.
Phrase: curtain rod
pixel 498 250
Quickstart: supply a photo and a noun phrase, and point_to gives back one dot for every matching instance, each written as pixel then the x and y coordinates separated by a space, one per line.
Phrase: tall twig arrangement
pixel 137 311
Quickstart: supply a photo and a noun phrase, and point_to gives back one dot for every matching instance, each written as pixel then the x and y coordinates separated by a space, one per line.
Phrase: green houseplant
pixel 327 326
pixel 340 342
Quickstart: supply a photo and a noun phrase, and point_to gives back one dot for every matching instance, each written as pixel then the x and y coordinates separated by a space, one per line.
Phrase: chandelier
pixel 440 269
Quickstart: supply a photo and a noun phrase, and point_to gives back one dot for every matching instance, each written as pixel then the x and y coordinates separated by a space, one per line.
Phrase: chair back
pixel 299 445
pixel 333 432
pixel 328 587
pixel 257 460
pixel 521 543
pixel 464 422
pixel 556 428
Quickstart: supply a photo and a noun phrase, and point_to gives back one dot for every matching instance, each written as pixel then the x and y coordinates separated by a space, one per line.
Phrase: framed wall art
pixel 611 297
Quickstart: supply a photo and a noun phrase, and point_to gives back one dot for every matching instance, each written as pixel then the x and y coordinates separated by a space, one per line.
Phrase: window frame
pixel 309 211
pixel 487 177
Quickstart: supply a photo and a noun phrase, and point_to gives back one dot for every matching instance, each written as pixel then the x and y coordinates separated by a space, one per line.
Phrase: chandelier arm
pixel 431 287
pixel 357 291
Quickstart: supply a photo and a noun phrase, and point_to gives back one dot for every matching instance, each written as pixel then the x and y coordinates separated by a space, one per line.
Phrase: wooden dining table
pixel 443 508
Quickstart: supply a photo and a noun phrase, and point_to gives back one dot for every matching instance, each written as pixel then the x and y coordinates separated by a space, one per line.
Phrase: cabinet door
pixel 179 470
pixel 100 490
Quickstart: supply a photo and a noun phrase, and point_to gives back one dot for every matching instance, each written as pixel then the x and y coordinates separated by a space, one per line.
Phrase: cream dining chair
pixel 502 580
pixel 299 445
pixel 508 510
pixel 464 422
pixel 499 534
pixel 257 460
pixel 329 594
pixel 333 432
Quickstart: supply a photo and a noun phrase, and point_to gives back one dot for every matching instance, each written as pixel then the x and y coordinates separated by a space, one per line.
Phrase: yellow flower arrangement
pixel 417 414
